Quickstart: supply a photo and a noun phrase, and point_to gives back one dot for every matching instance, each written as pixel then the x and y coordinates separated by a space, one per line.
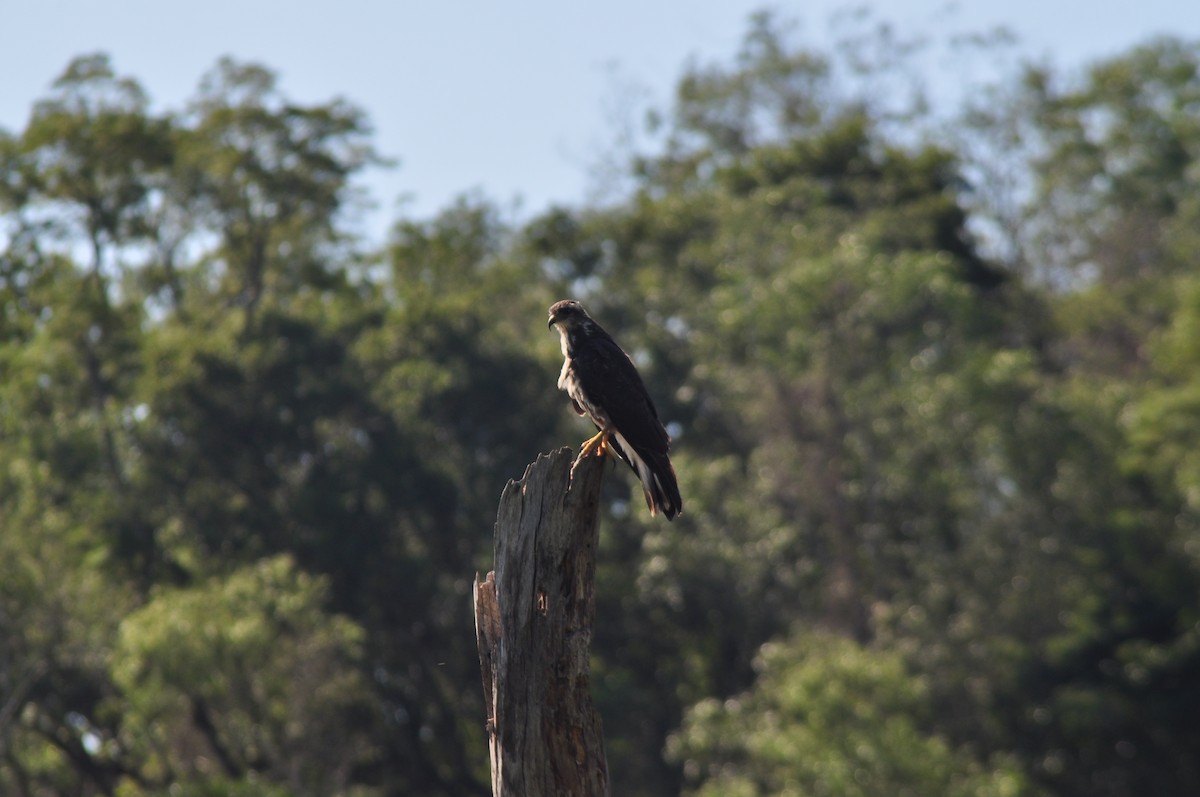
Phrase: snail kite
pixel 604 385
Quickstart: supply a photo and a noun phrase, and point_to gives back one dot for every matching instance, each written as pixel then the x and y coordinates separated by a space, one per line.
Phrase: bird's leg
pixel 599 444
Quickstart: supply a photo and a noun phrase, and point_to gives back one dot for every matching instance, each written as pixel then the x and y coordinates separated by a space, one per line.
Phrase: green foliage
pixel 249 465
pixel 250 669
pixel 829 717
pixel 1163 424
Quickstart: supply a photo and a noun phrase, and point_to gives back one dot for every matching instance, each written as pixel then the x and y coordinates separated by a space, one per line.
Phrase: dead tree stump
pixel 533 622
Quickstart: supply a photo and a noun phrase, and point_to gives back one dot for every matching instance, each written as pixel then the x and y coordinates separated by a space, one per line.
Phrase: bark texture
pixel 533 623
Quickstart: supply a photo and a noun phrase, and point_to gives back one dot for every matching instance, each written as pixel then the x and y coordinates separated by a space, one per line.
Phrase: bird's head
pixel 568 313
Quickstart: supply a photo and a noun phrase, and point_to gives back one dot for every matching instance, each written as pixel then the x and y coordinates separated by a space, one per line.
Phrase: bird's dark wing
pixel 611 383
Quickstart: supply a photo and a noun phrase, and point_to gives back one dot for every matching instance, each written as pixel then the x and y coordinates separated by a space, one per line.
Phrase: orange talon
pixel 599 444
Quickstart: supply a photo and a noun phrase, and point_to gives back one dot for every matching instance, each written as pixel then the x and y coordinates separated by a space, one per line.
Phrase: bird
pixel 604 385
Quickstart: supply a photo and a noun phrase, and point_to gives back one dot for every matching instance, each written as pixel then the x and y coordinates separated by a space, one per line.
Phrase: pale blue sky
pixel 514 98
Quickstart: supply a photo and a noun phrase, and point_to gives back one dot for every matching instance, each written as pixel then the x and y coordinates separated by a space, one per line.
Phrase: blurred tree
pixel 1098 534
pixel 828 717
pixel 1117 161
pixel 86 168
pixel 242 679
pixel 228 430
pixel 75 184
pixel 1101 174
pixel 269 178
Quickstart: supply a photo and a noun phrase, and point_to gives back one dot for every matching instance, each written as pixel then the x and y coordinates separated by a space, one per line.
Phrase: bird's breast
pixel 569 382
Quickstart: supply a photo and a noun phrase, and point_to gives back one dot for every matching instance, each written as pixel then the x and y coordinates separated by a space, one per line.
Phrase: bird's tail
pixel 657 476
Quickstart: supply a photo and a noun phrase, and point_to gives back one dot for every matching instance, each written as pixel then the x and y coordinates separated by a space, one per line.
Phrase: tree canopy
pixel 932 380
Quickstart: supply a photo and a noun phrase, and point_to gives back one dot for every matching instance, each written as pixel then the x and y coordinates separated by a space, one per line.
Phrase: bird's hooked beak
pixel 550 323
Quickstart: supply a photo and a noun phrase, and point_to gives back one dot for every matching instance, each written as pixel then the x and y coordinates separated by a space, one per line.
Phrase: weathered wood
pixel 533 623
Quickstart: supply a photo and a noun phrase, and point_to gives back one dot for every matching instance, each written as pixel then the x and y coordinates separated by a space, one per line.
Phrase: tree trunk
pixel 533 622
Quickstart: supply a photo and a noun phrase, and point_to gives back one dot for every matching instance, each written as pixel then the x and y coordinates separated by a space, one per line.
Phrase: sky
pixel 519 100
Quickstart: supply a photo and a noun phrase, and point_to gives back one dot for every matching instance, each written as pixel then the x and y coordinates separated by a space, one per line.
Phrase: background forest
pixel 933 377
